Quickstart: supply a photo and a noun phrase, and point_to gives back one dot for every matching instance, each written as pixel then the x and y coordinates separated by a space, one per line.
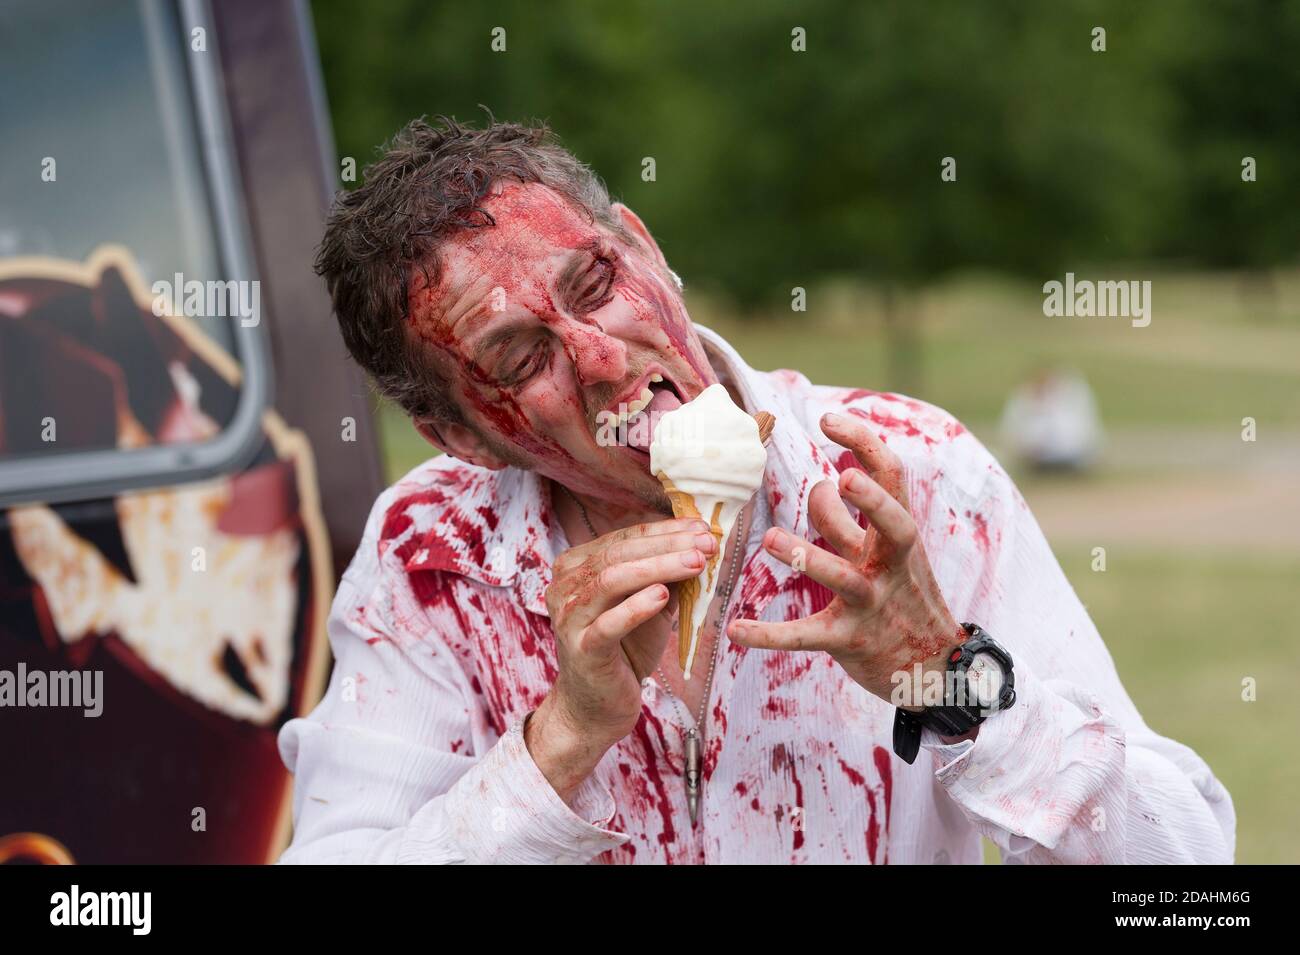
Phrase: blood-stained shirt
pixel 443 647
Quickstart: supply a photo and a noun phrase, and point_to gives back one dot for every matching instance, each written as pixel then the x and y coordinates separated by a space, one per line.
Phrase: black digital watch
pixel 979 681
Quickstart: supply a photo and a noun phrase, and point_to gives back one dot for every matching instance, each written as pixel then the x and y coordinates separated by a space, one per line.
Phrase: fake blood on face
pixel 523 259
pixel 649 300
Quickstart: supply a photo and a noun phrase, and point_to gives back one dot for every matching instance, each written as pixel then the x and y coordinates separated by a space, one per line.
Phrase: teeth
pixel 634 406
pixel 638 405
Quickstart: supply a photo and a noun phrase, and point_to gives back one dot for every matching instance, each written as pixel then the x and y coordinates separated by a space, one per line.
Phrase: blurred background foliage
pixel 821 170
pixel 775 167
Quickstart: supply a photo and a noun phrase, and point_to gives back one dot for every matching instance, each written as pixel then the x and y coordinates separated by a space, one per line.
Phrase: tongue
pixel 663 401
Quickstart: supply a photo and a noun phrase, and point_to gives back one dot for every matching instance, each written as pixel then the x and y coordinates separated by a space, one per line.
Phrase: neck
pixel 603 515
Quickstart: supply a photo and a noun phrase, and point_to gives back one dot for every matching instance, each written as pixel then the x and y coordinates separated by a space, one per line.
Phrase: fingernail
pixel 705 542
pixel 693 558
pixel 737 629
pixel 771 537
pixel 700 526
pixel 855 480
pixel 832 419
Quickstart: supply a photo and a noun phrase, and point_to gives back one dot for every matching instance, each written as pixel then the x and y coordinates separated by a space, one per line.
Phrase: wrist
pixel 563 754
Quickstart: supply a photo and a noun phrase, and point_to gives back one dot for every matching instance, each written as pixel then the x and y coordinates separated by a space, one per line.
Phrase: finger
pixel 636 548
pixel 890 519
pixel 572 579
pixel 576 555
pixel 822 566
pixel 832 520
pixel 618 581
pixel 674 525
pixel 877 460
pixel 808 633
pixel 607 631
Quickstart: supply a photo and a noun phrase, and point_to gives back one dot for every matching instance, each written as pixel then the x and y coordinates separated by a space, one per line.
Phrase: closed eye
pixel 596 287
pixel 524 364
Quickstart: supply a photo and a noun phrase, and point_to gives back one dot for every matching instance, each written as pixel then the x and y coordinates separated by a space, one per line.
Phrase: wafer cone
pixel 688 591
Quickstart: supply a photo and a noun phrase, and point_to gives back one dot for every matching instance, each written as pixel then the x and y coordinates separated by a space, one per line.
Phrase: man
pixel 1050 421
pixel 506 686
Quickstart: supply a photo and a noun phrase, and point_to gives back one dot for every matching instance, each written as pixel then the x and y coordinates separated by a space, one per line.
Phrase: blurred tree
pixel 1238 88
pixel 777 168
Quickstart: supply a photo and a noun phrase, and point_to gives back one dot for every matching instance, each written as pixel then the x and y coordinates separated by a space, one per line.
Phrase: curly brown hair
pixel 425 187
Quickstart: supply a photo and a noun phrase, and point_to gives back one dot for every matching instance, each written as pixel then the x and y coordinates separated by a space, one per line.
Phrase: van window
pixel 130 349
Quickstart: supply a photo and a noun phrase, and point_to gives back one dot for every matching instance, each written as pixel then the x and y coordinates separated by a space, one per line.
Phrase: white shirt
pixel 443 647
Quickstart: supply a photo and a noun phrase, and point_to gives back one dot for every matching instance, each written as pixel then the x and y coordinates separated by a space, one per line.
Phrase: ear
pixel 460 442
pixel 632 222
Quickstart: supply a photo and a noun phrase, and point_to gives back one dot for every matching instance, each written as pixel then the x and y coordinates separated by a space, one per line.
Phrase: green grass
pixel 1184 631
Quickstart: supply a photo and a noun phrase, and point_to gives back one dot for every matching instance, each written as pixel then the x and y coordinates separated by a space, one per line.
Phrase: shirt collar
pixel 508 513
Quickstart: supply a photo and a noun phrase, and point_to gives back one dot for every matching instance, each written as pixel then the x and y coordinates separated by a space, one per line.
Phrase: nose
pixel 597 356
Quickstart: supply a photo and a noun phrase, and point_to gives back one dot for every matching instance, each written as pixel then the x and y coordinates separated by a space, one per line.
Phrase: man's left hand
pixel 887 613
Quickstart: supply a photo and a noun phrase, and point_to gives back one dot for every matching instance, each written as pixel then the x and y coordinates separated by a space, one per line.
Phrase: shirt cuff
pixel 1033 769
pixel 503 810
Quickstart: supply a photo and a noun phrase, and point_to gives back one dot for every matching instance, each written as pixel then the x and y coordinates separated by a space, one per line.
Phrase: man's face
pixel 546 326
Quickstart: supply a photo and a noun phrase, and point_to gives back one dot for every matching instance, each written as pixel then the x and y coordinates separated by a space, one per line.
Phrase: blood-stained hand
pixel 604 599
pixel 887 613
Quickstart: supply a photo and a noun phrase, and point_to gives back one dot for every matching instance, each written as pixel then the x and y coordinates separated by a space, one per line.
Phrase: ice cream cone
pixel 688 591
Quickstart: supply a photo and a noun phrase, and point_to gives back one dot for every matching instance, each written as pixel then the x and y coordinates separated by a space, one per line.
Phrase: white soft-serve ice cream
pixel 709 455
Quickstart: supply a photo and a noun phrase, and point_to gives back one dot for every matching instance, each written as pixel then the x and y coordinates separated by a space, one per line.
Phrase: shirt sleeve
pixel 394 765
pixel 1071 773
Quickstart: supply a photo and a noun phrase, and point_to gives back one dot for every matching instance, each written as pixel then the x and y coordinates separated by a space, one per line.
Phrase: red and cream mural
pixel 203 604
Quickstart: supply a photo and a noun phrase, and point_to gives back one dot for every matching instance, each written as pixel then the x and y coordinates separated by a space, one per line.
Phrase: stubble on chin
pixel 658 501
pixel 649 492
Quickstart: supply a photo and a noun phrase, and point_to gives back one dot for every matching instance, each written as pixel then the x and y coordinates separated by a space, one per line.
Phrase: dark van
pixel 186 455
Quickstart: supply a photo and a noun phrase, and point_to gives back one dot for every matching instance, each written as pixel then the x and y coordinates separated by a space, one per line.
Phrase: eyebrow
pixel 492 339
pixel 572 271
pixel 582 255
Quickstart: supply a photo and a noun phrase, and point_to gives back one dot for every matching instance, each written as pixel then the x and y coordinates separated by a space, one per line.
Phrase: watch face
pixel 984 680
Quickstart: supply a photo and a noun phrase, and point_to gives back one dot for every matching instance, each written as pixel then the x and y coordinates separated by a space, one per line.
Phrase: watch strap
pixel 907 735
pixel 952 720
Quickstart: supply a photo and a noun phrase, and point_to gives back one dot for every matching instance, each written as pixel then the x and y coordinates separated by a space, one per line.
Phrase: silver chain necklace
pixel 691 775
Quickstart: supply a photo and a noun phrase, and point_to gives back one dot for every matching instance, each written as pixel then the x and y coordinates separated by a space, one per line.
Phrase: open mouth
pixel 639 412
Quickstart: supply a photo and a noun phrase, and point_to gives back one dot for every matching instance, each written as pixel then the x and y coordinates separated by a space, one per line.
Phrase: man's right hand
pixel 602 596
